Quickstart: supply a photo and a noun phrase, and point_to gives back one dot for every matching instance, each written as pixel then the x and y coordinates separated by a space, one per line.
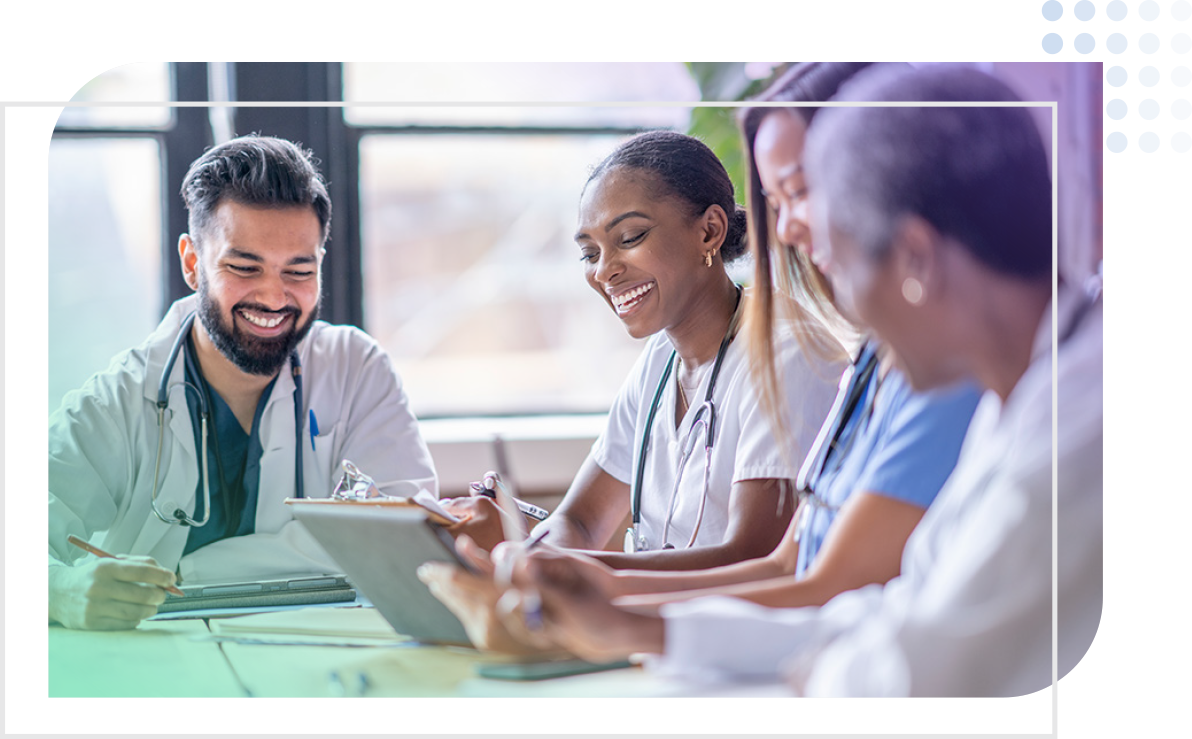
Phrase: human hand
pixel 473 598
pixel 576 615
pixel 481 520
pixel 108 593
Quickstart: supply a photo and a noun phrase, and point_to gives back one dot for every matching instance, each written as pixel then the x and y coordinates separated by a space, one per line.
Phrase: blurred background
pixel 455 190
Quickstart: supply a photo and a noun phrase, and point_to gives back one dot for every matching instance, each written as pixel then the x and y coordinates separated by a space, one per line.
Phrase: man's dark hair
pixel 259 171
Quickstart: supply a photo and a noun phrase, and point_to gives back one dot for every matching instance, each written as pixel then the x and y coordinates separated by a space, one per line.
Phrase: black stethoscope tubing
pixel 710 426
pixel 163 394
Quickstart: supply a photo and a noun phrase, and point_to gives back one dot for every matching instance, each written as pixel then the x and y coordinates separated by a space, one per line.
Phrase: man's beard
pixel 251 354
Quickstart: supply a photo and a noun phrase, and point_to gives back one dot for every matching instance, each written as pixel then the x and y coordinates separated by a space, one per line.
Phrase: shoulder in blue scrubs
pixel 900 444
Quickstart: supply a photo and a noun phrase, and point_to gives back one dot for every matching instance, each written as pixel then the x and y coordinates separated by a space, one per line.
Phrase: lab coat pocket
pixel 323 463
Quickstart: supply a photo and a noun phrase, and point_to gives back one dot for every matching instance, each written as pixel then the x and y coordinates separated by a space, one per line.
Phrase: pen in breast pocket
pixel 314 429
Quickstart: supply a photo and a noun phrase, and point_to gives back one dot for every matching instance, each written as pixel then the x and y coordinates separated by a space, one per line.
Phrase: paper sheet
pixel 428 501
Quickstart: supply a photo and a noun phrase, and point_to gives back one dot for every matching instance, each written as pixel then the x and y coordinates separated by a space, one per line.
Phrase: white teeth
pixel 262 322
pixel 621 301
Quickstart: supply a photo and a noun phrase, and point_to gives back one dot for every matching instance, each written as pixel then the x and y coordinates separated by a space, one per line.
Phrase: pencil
pixel 87 546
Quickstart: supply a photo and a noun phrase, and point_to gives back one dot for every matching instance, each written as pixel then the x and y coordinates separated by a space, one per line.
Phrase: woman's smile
pixel 626 301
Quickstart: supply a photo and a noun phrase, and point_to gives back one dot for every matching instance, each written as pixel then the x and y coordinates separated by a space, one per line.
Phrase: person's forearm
pixel 696 558
pixel 630 582
pixel 782 591
pixel 565 532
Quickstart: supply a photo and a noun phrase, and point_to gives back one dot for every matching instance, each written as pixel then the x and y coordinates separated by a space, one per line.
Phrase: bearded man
pixel 179 456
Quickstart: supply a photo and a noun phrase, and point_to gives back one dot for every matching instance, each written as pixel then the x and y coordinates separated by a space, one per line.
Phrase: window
pixel 451 241
pixel 472 281
pixel 105 229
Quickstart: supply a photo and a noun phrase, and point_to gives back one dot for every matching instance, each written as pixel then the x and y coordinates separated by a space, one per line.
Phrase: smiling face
pixel 778 152
pixel 258 278
pixel 644 253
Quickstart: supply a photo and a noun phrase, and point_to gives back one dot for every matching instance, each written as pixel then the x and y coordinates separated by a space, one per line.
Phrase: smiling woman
pixel 657 222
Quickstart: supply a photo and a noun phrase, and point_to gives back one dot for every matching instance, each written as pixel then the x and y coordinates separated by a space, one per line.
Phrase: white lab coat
pixel 970 614
pixel 104 437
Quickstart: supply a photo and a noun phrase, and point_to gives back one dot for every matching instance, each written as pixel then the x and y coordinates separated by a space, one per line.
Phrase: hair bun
pixel 736 241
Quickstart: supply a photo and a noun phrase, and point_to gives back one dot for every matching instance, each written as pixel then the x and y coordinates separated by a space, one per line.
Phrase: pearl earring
pixel 912 290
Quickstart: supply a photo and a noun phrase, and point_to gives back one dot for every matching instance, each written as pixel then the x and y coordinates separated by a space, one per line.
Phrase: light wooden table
pixel 157 659
pixel 258 658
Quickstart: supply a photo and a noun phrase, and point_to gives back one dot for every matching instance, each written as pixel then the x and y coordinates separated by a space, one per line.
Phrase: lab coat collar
pixel 1069 305
pixel 157 346
pixel 276 428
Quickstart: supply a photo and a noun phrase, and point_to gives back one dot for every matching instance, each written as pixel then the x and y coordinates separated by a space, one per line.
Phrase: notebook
pixel 302 589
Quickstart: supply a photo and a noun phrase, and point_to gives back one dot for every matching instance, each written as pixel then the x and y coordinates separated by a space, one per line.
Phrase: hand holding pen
pixel 111 592
pixel 513 599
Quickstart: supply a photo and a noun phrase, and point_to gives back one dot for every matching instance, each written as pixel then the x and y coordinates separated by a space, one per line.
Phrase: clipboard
pixel 434 513
pixel 380 543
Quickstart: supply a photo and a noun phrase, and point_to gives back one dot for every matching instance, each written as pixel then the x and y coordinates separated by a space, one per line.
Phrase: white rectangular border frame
pixel 1055 179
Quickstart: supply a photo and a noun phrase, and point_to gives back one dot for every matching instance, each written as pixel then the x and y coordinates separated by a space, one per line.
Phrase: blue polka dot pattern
pixel 1146 36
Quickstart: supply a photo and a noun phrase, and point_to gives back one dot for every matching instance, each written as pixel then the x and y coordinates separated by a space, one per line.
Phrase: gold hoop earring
pixel 912 290
pixel 708 258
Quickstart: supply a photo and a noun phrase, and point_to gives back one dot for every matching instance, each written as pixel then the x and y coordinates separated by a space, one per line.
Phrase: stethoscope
pixel 853 387
pixel 705 421
pixel 164 389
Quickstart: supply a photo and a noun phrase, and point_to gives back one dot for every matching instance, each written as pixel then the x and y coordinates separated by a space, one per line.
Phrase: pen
pixel 535 537
pixel 314 429
pixel 92 549
pixel 529 509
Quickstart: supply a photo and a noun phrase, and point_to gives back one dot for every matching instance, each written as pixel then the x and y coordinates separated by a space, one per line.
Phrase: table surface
pixel 311 652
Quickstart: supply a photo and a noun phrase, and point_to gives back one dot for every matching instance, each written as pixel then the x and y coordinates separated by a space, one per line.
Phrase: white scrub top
pixel 744 446
pixel 970 614
pixel 103 447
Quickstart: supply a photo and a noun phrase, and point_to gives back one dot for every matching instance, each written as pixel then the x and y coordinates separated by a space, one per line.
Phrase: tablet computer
pixel 380 549
pixel 295 590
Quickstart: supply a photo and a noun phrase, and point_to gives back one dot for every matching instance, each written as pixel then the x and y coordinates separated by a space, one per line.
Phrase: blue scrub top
pixel 240 455
pixel 904 449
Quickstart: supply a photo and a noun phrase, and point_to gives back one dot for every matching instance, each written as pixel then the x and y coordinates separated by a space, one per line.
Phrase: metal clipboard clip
pixel 355 485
